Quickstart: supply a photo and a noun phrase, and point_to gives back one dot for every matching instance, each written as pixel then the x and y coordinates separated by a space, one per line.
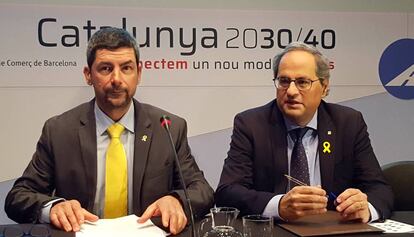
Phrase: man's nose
pixel 292 89
pixel 116 77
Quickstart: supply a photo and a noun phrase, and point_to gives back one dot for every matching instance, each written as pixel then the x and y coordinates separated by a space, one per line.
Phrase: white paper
pixel 123 226
pixel 391 226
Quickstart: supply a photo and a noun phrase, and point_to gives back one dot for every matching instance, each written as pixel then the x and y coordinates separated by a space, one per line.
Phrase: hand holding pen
pixel 331 196
pixel 352 203
pixel 302 200
pixel 350 210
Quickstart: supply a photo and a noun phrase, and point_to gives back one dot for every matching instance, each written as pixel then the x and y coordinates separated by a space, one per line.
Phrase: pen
pixel 296 181
pixel 331 195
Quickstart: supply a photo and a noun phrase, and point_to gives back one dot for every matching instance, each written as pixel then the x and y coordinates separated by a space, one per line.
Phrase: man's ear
pixel 139 72
pixel 87 75
pixel 325 89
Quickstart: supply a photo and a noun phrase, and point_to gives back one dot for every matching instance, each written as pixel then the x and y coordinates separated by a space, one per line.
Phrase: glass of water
pixel 257 226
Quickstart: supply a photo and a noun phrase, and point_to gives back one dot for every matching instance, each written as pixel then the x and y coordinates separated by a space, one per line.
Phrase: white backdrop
pixel 207 97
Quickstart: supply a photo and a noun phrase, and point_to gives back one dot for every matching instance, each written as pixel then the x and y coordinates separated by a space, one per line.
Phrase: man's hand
pixel 171 212
pixel 302 201
pixel 69 215
pixel 353 204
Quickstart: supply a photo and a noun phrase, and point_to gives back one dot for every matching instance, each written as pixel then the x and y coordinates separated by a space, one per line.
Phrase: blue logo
pixel 396 69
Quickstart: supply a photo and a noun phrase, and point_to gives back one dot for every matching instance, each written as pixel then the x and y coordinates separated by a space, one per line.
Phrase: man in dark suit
pixel 66 181
pixel 325 146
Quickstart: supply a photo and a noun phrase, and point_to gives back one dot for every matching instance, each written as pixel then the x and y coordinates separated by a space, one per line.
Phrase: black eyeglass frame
pixel 276 80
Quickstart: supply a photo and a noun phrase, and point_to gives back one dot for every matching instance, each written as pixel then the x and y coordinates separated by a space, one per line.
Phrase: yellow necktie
pixel 116 191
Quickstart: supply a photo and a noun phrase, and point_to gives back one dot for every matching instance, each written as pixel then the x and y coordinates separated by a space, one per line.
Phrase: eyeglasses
pixel 303 84
pixel 18 231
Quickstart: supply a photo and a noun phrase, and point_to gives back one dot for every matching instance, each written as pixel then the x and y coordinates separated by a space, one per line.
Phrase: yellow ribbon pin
pixel 144 138
pixel 326 147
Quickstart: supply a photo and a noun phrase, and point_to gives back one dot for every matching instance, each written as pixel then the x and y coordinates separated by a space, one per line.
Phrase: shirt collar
pixel 103 121
pixel 312 124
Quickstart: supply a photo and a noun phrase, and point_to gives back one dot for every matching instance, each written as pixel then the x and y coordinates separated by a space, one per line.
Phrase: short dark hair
pixel 110 38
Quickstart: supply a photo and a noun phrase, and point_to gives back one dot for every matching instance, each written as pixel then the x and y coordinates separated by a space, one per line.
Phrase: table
pixel 403 216
pixel 53 231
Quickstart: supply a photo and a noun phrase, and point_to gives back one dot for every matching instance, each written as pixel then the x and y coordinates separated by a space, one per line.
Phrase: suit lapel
pixel 143 139
pixel 87 140
pixel 326 147
pixel 279 148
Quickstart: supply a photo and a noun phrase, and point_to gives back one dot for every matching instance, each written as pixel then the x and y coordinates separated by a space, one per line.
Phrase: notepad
pixel 328 223
pixel 391 226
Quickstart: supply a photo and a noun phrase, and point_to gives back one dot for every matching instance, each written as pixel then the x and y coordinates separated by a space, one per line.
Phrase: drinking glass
pixel 257 226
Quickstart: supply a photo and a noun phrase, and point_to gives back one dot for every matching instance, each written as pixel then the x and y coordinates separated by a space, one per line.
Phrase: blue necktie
pixel 298 162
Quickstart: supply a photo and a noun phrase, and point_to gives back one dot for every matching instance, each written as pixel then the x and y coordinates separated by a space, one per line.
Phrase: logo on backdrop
pixel 396 69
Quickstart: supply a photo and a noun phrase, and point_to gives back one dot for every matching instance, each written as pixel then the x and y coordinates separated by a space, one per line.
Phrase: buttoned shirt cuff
pixel 374 213
pixel 45 212
pixel 272 207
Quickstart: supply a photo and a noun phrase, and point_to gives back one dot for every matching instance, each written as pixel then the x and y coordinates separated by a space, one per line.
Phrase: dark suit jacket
pixel 64 164
pixel 257 159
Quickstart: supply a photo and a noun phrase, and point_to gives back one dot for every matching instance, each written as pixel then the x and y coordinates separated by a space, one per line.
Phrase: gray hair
pixel 322 62
pixel 110 38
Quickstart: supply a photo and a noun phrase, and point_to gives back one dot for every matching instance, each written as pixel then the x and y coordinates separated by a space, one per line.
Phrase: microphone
pixel 166 123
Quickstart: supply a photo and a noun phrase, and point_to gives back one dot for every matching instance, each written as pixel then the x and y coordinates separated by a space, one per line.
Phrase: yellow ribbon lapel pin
pixel 327 145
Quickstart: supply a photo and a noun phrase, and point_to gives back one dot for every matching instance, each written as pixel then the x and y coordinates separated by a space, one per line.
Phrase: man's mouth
pixel 292 102
pixel 116 93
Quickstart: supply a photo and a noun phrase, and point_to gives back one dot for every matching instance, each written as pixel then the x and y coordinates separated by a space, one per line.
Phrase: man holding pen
pixel 324 146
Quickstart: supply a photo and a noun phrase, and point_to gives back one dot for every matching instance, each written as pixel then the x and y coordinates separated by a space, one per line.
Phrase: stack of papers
pixel 124 226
